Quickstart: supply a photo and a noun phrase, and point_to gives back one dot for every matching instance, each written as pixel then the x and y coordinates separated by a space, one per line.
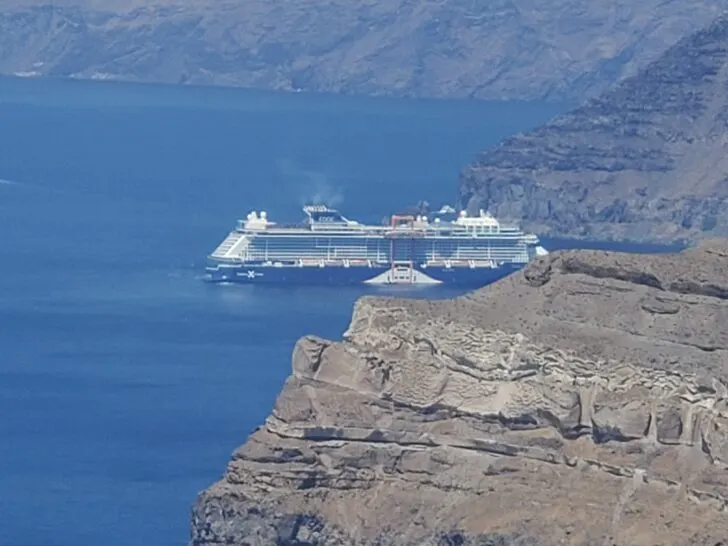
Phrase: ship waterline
pixel 329 249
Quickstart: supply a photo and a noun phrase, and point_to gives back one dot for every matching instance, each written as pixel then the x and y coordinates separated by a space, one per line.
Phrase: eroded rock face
pixel 582 401
pixel 643 161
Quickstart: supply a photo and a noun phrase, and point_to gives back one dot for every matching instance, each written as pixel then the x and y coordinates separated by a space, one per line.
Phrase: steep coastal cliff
pixel 562 50
pixel 645 161
pixel 581 401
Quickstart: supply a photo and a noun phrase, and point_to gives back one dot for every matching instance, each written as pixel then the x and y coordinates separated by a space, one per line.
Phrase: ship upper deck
pixel 322 220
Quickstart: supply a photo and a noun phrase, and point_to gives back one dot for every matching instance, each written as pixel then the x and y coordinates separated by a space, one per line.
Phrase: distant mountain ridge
pixel 562 50
pixel 645 161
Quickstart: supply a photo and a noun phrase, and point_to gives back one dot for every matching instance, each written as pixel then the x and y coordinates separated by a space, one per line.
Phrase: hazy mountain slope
pixel 453 48
pixel 646 160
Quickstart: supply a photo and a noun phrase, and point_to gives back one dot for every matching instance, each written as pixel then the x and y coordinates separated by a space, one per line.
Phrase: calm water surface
pixel 126 382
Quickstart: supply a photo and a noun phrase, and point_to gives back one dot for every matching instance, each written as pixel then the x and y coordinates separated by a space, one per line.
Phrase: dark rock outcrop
pixel 644 161
pixel 581 401
pixel 562 50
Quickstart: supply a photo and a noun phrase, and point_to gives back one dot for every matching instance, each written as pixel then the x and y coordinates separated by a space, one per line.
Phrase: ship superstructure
pixel 328 248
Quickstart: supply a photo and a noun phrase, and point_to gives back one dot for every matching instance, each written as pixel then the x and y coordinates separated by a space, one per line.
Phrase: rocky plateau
pixel 581 401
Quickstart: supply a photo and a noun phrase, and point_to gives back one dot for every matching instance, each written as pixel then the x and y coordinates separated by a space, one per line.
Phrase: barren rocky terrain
pixel 644 161
pixel 582 401
pixel 562 50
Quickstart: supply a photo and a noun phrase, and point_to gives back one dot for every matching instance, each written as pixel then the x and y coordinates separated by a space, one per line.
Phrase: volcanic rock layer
pixel 582 401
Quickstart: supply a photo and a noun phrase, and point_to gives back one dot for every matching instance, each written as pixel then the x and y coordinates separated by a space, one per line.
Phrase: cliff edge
pixel 580 401
pixel 644 161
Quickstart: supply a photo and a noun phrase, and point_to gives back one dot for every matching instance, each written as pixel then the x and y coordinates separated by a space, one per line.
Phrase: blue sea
pixel 125 381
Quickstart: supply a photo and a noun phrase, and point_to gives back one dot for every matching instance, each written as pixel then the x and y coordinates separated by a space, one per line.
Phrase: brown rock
pixel 561 405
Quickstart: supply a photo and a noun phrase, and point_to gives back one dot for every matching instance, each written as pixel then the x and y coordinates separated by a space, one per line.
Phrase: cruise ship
pixel 327 248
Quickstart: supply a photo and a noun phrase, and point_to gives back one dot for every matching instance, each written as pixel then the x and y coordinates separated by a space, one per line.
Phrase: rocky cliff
pixel 582 401
pixel 562 50
pixel 644 161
